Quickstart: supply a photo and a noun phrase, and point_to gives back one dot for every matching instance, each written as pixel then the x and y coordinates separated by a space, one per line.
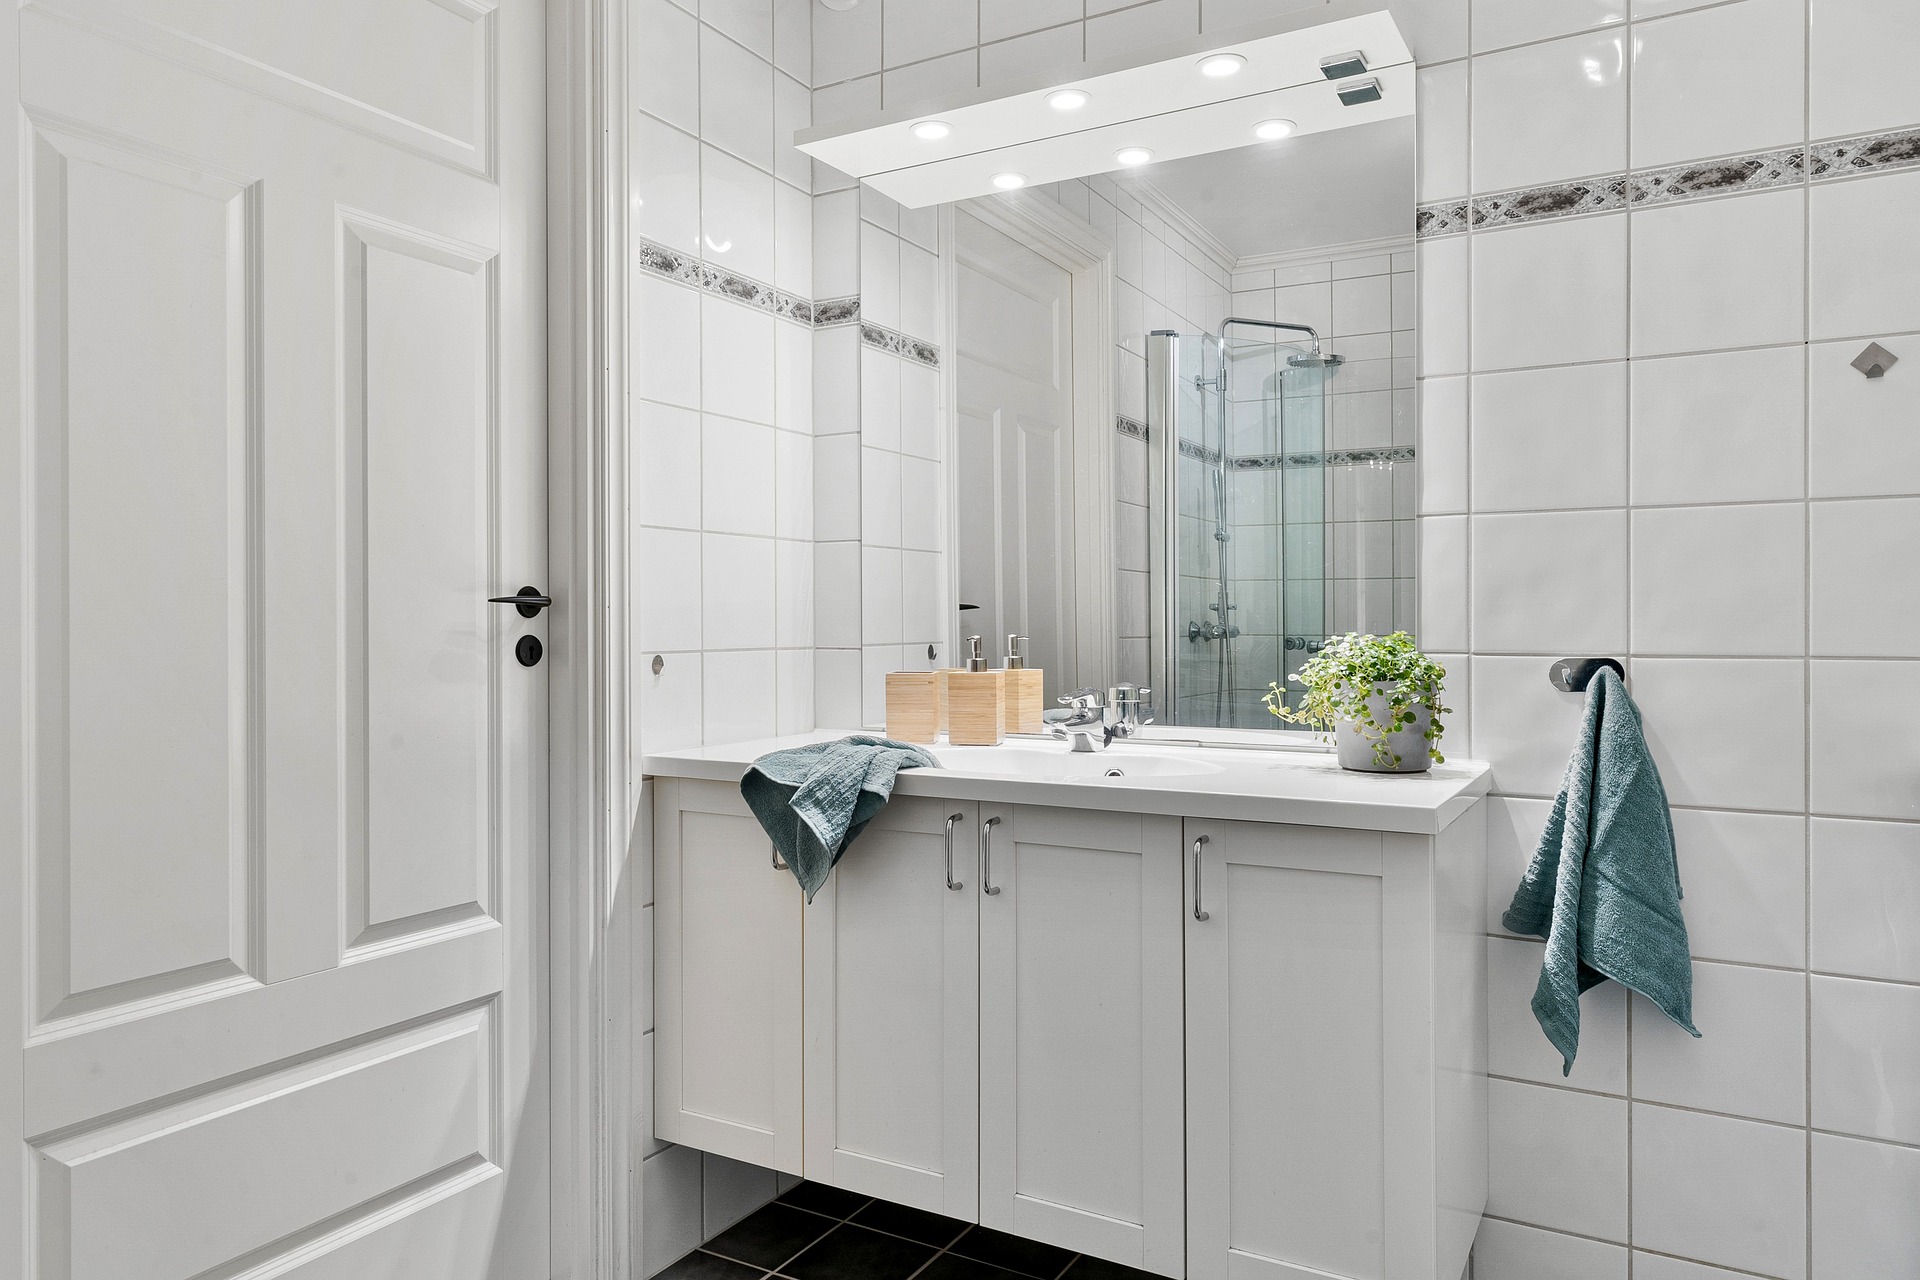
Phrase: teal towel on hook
pixel 1604 886
pixel 813 801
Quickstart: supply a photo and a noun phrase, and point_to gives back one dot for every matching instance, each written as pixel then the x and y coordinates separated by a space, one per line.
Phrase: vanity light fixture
pixel 1068 99
pixel 1342 65
pixel 1356 92
pixel 1220 65
pixel 1133 155
pixel 932 130
pixel 1269 130
pixel 1009 181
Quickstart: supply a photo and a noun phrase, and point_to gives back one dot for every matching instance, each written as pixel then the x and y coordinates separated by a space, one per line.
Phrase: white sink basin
pixel 1042 763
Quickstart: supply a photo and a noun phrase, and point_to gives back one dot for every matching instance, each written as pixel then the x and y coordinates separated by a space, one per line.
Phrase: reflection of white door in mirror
pixel 1014 446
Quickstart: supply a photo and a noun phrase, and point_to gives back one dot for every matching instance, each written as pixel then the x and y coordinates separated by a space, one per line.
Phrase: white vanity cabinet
pixel 1080 1032
pixel 1209 1047
pixel 892 1011
pixel 727 979
pixel 1335 1040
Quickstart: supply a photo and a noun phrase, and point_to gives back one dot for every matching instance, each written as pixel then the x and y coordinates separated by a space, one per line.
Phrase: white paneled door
pixel 273 781
pixel 1014 463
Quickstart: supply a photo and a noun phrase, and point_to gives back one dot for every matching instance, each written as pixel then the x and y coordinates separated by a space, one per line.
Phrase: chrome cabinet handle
pixel 987 886
pixel 1198 914
pixel 778 865
pixel 953 820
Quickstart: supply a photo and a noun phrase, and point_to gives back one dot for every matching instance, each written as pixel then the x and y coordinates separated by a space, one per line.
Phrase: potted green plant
pixel 1377 696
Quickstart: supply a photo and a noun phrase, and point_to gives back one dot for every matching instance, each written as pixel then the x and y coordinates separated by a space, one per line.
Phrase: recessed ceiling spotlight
pixel 1268 130
pixel 1008 181
pixel 932 130
pixel 1068 99
pixel 1133 155
pixel 1221 64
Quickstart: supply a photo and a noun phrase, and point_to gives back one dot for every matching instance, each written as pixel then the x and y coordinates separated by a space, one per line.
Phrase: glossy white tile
pixel 935 78
pixel 836 595
pixel 737 606
pixel 920 504
pixel 1695 283
pixel 1865 267
pixel 1550 438
pixel 836 488
pixel 922 612
pixel 793 595
pixel 1722 427
pixel 665 67
pixel 1859 549
pixel 836 687
pixel 1754 1061
pixel 794 673
pixel 1000 19
pixel 1441 122
pixel 793 39
pixel 736 101
pixel 1443 306
pixel 737 489
pixel 1860 59
pixel 1658 1266
pixel 879 399
pixel 919 292
pixel 1509 1251
pixel 1720 1190
pixel 1443 582
pixel 1550 582
pixel 1864 1226
pixel 1522 726
pixel 879 596
pixel 1719 81
pixel 1864 917
pixel 665 342
pixel 1550 293
pixel 736 364
pixel 1499 23
pixel 1865 756
pixel 667 583
pixel 1726 580
pixel 1517 1047
pixel 1866 1037
pixel 1692 708
pixel 792 240
pixel 879 276
pixel 669 702
pixel 665 451
pixel 1363 304
pixel 750 22
pixel 1443 445
pixel 914 30
pixel 1862 442
pixel 1559 1159
pixel 666 184
pixel 1514 827
pixel 879 498
pixel 1745 877
pixel 738 696
pixel 793 357
pixel 1547 112
pixel 846 43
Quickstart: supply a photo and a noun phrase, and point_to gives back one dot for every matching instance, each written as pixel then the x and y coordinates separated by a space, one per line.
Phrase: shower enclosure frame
pixel 1164 632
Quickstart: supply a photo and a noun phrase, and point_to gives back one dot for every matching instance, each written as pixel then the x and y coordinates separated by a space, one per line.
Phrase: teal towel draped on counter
pixel 813 801
pixel 1604 886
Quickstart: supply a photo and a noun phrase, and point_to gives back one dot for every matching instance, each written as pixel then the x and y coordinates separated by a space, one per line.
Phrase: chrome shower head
pixel 1307 360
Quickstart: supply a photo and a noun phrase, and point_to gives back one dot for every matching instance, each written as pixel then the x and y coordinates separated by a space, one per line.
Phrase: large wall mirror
pixel 1181 359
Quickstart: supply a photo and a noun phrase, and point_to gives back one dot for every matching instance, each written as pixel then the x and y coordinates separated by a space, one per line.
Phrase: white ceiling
pixel 1331 188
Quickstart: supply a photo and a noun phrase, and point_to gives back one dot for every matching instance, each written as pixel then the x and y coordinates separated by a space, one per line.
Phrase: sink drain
pixel 1116 773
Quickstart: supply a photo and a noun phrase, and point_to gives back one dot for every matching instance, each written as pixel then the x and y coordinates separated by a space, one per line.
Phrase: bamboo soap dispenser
pixel 976 702
pixel 1026 690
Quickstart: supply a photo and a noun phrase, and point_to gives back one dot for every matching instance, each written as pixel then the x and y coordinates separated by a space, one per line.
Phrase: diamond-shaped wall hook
pixel 1875 361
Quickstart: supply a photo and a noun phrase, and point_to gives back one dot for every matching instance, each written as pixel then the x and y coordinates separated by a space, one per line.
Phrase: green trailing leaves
pixel 1350 673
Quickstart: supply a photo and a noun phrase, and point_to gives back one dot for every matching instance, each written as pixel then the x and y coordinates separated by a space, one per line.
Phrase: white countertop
pixel 1306 787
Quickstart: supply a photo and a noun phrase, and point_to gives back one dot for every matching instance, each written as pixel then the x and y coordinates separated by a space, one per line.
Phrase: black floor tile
pixel 769 1236
pixel 854 1253
pixel 914 1224
pixel 706 1266
pixel 1028 1257
pixel 1085 1268
pixel 817 1197
pixel 951 1266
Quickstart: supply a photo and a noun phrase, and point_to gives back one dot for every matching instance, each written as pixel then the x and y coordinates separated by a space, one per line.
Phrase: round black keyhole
pixel 528 650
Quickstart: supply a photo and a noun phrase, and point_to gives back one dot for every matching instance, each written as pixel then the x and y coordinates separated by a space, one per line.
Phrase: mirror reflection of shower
pixel 1258 522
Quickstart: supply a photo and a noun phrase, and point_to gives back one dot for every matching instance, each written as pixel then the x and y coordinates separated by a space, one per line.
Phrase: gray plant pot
pixel 1409 743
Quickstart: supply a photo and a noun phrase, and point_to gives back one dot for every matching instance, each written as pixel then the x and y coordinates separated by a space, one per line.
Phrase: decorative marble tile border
pixel 1897 150
pixel 899 344
pixel 1199 453
pixel 1129 427
pixel 1331 458
pixel 1760 171
pixel 660 260
pixel 834 312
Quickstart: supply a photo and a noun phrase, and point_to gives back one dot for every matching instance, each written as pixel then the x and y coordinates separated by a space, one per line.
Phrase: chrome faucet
pixel 1127 710
pixel 1085 716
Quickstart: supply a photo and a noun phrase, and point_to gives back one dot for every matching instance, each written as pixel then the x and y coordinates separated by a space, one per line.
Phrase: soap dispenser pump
pixel 976 702
pixel 1026 690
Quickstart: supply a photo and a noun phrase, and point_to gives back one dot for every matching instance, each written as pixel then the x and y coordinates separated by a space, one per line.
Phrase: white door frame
pixel 1078 248
pixel 591 799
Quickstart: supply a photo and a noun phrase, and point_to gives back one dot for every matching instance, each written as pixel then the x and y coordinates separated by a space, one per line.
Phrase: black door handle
pixel 527 600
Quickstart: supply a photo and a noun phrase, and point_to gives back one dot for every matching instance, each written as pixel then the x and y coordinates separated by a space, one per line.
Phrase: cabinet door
pixel 1306 1012
pixel 1080 1033
pixel 727 922
pixel 892 1000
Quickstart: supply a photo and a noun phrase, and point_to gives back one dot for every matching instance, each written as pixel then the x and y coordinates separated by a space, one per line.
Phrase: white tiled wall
pixel 1637 392
pixel 720 467
pixel 1640 437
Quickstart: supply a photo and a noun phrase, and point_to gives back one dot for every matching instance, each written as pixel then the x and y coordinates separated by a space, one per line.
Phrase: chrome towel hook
pixel 1573 675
